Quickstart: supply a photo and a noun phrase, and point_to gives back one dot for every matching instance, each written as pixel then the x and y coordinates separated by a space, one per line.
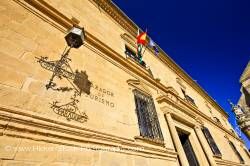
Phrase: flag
pixel 141 38
pixel 139 52
pixel 153 45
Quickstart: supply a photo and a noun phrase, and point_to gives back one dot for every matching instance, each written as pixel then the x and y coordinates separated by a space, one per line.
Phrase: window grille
pixel 147 117
pixel 211 142
pixel 129 52
pixel 188 98
pixel 233 132
pixel 236 152
pixel 247 153
pixel 217 120
pixel 133 55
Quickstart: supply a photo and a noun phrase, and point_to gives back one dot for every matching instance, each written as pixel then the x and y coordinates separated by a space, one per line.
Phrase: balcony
pixel 131 54
pixel 190 99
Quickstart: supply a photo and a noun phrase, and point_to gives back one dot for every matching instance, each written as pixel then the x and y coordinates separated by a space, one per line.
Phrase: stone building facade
pixel 243 106
pixel 133 115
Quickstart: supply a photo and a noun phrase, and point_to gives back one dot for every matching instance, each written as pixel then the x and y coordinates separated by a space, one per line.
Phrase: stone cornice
pixel 121 18
pixel 16 122
pixel 112 10
pixel 44 8
pixel 129 40
pixel 190 110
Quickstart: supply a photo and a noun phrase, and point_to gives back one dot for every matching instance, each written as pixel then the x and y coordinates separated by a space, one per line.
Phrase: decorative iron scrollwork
pixel 70 110
pixel 147 117
pixel 60 68
pixel 78 80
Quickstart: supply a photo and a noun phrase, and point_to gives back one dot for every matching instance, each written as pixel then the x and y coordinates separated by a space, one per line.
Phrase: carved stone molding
pixel 30 125
pixel 226 136
pixel 137 84
pixel 150 141
pixel 199 121
pixel 167 109
pixel 220 161
pixel 179 117
pixel 129 39
pixel 170 93
pixel 110 8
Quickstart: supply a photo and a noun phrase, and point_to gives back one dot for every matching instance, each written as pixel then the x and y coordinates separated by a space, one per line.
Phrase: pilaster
pixel 204 143
pixel 176 140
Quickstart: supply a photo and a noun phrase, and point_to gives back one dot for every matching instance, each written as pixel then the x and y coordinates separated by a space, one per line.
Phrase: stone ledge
pixel 29 125
pixel 149 140
pixel 228 163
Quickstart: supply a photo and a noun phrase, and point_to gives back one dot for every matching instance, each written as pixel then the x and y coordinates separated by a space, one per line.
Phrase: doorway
pixel 188 149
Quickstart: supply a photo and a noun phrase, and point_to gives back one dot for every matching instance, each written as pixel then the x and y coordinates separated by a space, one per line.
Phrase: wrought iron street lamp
pixel 62 69
pixel 75 37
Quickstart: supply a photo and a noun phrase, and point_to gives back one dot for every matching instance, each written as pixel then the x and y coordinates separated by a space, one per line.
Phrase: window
pixel 225 121
pixel 147 117
pixel 209 109
pixel 217 120
pixel 210 112
pixel 211 142
pixel 188 149
pixel 129 52
pixel 133 55
pixel 247 152
pixel 233 132
pixel 236 152
pixel 188 98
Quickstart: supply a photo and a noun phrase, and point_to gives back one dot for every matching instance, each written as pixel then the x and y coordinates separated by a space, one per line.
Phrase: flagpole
pixel 137 45
pixel 144 50
pixel 137 51
pixel 145 46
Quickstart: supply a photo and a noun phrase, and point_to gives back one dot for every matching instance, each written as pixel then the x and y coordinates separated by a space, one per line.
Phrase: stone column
pixel 176 140
pixel 205 145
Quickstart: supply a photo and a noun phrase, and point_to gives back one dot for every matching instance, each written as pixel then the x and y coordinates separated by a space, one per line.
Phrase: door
pixel 188 149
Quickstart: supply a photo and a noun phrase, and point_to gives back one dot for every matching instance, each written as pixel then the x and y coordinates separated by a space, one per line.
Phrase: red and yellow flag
pixel 141 38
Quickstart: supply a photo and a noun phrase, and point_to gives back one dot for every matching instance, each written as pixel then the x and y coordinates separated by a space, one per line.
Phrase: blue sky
pixel 209 39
